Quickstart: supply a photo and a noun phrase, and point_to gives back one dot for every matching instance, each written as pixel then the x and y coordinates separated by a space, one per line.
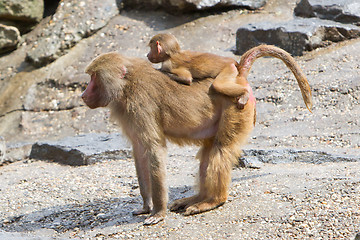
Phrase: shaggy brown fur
pixel 187 65
pixel 151 108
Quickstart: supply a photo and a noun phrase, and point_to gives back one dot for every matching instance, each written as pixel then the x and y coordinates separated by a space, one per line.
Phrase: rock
pixel 296 36
pixel 2 150
pixel 23 14
pixel 192 5
pixel 72 21
pixel 9 38
pixel 24 10
pixel 16 152
pixel 52 95
pixel 344 11
pixel 255 157
pixel 357 237
pixel 82 149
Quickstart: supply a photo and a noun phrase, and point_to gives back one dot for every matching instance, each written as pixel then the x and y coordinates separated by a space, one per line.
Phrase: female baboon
pixel 151 108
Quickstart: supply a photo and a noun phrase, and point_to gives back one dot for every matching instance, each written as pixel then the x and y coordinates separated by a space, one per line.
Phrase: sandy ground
pixel 277 201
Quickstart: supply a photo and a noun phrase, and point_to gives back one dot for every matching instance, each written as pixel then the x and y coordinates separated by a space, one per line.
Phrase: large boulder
pixel 193 5
pixel 9 38
pixel 296 36
pixel 23 14
pixel 73 21
pixel 344 11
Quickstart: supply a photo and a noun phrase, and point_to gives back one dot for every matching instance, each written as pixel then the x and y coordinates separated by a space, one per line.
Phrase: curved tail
pixel 248 58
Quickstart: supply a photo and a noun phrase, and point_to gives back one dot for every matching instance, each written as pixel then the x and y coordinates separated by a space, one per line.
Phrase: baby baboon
pixel 187 65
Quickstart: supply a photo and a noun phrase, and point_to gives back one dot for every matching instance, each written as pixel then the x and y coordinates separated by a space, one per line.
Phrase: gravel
pixel 276 201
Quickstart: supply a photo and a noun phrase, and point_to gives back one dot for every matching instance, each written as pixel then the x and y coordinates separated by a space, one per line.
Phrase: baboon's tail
pixel 248 58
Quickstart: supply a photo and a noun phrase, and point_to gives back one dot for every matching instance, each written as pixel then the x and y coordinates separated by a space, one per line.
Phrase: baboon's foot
pixel 181 204
pixel 155 218
pixel 202 206
pixel 242 100
pixel 141 211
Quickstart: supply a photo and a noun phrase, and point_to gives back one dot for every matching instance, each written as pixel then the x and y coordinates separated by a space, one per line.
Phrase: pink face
pixel 156 54
pixel 92 95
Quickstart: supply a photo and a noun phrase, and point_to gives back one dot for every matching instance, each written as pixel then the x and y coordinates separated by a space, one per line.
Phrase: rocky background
pixel 307 185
